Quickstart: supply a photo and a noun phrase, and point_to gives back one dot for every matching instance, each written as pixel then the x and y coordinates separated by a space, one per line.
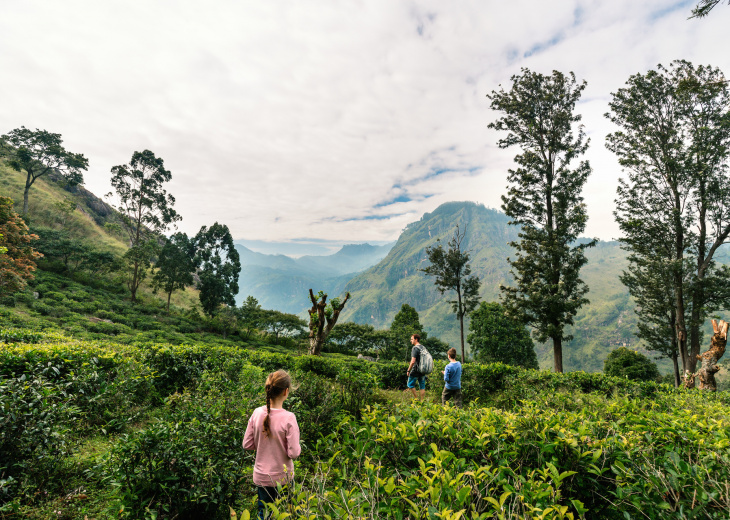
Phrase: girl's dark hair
pixel 276 384
pixel 451 353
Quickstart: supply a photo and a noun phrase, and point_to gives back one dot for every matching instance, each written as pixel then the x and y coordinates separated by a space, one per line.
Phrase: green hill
pixel 378 293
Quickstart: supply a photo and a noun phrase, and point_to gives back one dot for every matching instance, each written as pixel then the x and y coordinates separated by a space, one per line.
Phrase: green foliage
pixel 34 420
pixel 40 152
pixel 627 363
pixel 544 198
pixel 281 324
pixel 175 265
pixel 17 262
pixel 674 143
pixel 352 338
pixel 220 266
pixel 704 7
pixel 497 337
pixel 405 324
pixel 187 466
pixel 452 272
pixel 146 209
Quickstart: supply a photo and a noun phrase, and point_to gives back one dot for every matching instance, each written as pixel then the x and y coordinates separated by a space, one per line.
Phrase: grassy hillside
pixel 86 222
pixel 378 293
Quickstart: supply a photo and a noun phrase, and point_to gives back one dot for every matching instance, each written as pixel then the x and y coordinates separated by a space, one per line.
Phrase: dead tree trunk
pixel 711 357
pixel 322 318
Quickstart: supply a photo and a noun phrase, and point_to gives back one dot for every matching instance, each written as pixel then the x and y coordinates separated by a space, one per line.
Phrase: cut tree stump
pixel 711 357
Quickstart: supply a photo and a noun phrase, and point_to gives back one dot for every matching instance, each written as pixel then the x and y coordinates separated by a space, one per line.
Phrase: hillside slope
pixel 378 293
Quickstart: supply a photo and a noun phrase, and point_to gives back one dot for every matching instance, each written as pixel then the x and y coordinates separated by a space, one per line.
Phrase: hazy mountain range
pixel 281 282
pixel 390 277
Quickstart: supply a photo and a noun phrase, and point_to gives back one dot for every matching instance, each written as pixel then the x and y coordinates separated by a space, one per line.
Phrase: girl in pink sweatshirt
pixel 274 434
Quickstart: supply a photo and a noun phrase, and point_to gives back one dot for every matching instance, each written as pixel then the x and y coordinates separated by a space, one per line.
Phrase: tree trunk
pixel 677 377
pixel 168 301
pixel 558 353
pixel 461 324
pixel 134 285
pixel 316 343
pixel 712 356
pixel 28 184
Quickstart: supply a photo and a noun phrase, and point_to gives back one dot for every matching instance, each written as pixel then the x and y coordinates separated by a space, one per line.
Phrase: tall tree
pixel 145 207
pixel 451 269
pixel 544 198
pixel 497 337
pixel 220 266
pixel 405 324
pixel 175 265
pixel 673 143
pixel 322 319
pixel 251 316
pixel 40 152
pixel 17 257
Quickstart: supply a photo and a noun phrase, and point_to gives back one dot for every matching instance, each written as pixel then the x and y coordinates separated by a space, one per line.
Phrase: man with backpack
pixel 421 365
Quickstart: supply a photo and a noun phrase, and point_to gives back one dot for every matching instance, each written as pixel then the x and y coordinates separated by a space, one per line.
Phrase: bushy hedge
pixel 610 459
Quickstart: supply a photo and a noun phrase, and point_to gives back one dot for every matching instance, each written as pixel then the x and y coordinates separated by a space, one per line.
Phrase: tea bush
pixel 189 466
pixel 35 418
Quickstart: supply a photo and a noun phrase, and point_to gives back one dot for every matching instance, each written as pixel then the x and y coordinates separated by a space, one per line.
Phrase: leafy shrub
pixel 187 466
pixel 54 296
pixel 19 336
pixel 624 362
pixel 34 422
pixel 315 401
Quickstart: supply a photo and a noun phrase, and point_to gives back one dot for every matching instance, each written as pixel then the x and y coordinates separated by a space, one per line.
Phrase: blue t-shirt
pixel 452 375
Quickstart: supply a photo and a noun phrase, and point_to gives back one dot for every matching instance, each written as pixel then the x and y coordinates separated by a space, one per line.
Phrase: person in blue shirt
pixel 452 380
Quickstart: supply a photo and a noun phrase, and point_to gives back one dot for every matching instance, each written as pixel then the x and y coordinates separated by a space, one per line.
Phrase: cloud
pixel 338 121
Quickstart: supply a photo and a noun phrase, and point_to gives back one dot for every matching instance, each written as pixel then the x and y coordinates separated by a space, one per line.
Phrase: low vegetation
pixel 97 429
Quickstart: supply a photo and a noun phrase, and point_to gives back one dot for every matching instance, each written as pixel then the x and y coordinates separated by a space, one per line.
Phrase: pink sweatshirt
pixel 274 453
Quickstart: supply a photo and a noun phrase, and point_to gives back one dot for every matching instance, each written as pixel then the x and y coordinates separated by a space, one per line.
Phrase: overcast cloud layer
pixel 325 120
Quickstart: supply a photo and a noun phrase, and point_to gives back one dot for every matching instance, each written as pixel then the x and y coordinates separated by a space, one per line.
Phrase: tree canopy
pixel 17 256
pixel 629 364
pixel 704 7
pixel 40 152
pixel 673 142
pixel 405 324
pixel 219 267
pixel 175 265
pixel 544 198
pixel 497 337
pixel 452 271
pixel 146 210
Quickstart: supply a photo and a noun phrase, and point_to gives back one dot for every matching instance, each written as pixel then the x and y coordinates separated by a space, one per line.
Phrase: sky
pixel 326 122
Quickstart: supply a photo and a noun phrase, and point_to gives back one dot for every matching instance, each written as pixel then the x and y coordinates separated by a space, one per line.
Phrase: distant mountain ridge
pixel 281 282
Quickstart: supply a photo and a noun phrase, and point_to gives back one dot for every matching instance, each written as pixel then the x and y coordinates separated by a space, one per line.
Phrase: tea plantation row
pixel 104 430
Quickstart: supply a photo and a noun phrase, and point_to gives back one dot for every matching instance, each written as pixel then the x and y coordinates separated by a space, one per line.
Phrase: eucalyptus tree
pixel 452 271
pixel 673 143
pixel 175 265
pixel 146 210
pixel 545 199
pixel 219 267
pixel 40 152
